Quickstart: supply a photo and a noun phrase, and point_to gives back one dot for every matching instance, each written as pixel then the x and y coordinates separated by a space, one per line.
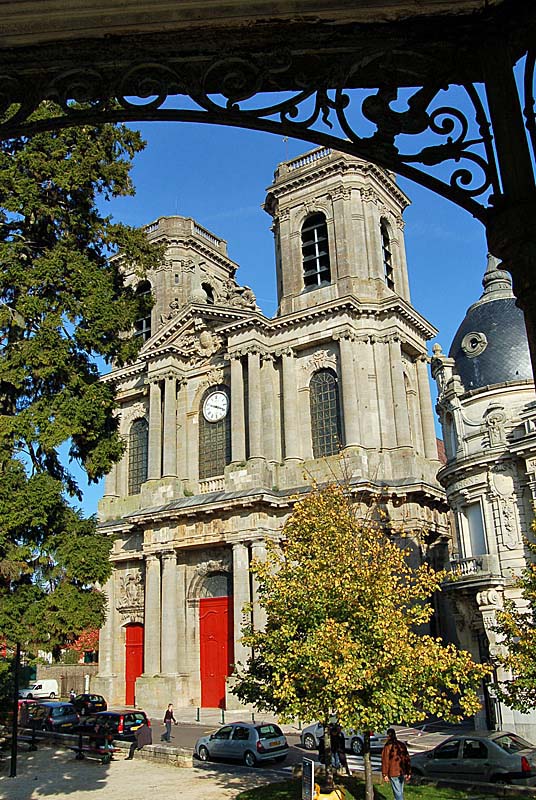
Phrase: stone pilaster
pixel 254 406
pixel 384 396
pixel 364 368
pixel 270 409
pixel 182 432
pixel 110 483
pixel 155 431
pixel 258 551
pixel 241 595
pixel 152 616
pixel 400 401
pixel 106 634
pixel 290 406
pixel 425 406
pixel 168 643
pixel 350 397
pixel 180 620
pixel 238 422
pixel 170 426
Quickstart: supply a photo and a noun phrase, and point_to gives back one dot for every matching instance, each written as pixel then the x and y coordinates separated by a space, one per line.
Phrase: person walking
pixel 396 764
pixel 338 749
pixel 168 719
pixel 143 736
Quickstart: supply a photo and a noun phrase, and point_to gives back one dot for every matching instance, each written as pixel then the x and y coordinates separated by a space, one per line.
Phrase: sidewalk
pixel 217 717
pixel 55 773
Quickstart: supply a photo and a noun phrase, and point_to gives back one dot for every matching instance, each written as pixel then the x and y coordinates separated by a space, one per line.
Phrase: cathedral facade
pixel 228 415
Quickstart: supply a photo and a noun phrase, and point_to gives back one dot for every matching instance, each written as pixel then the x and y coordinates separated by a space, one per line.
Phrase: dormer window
pixel 387 255
pixel 315 251
pixel 142 326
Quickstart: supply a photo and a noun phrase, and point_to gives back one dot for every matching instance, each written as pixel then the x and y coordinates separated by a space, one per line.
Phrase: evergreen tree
pixel 343 608
pixel 63 307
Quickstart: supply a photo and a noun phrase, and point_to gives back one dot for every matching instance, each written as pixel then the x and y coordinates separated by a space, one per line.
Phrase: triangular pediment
pixel 195 331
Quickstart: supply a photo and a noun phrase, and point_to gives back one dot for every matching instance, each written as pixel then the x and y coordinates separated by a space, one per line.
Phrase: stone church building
pixel 228 415
pixel 487 408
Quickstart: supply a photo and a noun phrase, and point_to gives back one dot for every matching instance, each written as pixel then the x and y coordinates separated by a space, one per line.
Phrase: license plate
pixel 274 744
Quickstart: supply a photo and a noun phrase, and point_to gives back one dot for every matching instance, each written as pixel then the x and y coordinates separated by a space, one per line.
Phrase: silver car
pixel 496 757
pixel 353 740
pixel 244 741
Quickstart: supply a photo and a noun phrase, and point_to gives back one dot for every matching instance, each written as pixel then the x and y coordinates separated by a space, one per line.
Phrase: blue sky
pixel 219 176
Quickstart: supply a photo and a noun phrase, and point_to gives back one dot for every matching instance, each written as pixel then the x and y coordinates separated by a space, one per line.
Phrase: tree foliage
pixel 516 625
pixel 63 306
pixel 343 607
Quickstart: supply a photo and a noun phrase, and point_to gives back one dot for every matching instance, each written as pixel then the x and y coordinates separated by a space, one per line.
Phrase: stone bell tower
pixel 338 231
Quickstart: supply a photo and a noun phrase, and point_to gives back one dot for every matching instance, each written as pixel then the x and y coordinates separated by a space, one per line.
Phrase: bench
pixel 31 738
pixel 102 754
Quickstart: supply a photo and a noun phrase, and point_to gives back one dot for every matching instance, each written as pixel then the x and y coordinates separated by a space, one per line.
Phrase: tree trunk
pixel 369 789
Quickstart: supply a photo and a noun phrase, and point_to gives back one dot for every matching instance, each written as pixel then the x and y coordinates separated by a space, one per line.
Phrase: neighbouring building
pixel 228 415
pixel 487 409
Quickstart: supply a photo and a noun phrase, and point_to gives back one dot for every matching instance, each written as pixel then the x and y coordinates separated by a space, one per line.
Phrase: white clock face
pixel 215 406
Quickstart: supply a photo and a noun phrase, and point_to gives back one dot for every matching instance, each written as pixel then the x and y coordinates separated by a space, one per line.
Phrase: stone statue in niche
pixel 495 422
pixel 174 308
pixel 502 486
pixel 131 600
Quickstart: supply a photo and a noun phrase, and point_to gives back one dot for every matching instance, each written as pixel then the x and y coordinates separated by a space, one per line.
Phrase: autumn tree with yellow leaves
pixel 343 607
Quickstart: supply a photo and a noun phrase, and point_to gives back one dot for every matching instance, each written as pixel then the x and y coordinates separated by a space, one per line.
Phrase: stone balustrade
pixel 212 485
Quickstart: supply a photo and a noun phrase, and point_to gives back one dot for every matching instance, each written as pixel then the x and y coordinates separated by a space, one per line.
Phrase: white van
pixel 48 688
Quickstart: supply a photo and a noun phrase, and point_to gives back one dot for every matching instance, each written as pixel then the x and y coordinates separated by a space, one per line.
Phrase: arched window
pixel 142 326
pixel 387 255
pixel 209 291
pixel 315 251
pixel 138 447
pixel 214 432
pixel 325 413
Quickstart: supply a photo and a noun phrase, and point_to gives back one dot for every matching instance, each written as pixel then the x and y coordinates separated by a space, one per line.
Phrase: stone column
pixel 170 426
pixel 182 432
pixel 241 595
pixel 168 642
pixel 106 635
pixel 270 410
pixel 155 431
pixel 182 649
pixel 238 422
pixel 151 643
pixel 384 394
pixel 110 483
pixel 254 406
pixel 258 551
pixel 364 368
pixel 290 406
pixel 400 400
pixel 350 397
pixel 425 406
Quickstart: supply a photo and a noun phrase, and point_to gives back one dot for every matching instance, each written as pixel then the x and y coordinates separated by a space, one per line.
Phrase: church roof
pixel 491 345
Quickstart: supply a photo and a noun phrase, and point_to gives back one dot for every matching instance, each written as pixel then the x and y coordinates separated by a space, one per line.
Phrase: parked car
pixel 47 688
pixel 89 704
pixel 244 741
pixel 353 740
pixel 121 723
pixel 53 715
pixel 496 757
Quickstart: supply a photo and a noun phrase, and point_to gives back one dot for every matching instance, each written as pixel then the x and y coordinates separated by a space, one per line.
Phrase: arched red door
pixel 216 648
pixel 133 660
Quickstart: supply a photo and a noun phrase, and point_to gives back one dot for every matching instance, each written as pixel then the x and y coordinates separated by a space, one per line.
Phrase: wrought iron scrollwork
pixel 451 150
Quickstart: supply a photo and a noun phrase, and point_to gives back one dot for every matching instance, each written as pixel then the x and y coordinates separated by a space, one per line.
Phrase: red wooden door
pixel 216 648
pixel 133 660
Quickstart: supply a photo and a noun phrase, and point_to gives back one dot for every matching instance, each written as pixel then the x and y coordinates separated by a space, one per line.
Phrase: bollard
pixel 253 717
pixel 197 718
pixel 223 716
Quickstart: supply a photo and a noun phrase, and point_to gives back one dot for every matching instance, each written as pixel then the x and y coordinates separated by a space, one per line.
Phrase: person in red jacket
pixel 396 764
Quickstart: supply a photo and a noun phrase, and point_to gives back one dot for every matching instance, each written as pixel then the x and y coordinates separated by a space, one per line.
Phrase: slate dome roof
pixel 491 345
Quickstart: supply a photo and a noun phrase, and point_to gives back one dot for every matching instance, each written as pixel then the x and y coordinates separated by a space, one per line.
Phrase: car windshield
pixel 268 731
pixel 512 743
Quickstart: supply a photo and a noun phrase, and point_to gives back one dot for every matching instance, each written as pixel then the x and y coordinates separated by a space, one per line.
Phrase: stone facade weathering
pixel 228 415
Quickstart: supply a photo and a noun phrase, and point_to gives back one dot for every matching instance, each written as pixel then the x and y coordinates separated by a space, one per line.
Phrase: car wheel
pixel 52 695
pixel 249 759
pixel 29 697
pixel 357 747
pixel 309 741
pixel 203 754
pixel 499 779
pixel 416 776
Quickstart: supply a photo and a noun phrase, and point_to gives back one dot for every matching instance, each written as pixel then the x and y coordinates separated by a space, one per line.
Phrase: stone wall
pixel 69 676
